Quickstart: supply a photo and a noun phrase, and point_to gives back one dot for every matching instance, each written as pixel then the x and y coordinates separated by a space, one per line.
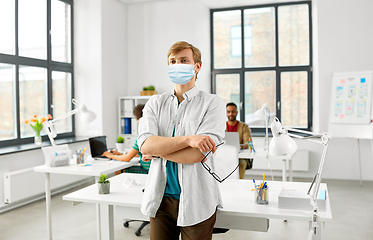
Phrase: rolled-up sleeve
pixel 213 123
pixel 148 123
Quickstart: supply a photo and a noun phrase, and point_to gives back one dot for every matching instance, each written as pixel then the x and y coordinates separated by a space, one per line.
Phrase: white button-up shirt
pixel 199 114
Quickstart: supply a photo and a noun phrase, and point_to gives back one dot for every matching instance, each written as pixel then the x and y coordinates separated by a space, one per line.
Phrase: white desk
pixel 240 210
pixel 96 169
pixel 261 154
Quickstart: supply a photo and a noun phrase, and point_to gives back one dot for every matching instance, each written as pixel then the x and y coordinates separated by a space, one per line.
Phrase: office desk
pixel 95 170
pixel 239 208
pixel 261 154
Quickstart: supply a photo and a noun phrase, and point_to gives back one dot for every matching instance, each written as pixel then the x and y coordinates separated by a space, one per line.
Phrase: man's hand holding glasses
pixel 203 143
pixel 208 168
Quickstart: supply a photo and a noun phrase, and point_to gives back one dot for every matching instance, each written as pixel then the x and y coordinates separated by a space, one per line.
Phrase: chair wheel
pixel 125 224
pixel 138 233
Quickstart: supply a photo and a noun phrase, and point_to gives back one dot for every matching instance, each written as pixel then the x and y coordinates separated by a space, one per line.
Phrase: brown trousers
pixel 164 225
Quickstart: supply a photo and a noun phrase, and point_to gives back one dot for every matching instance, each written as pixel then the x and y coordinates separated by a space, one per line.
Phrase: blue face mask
pixel 181 73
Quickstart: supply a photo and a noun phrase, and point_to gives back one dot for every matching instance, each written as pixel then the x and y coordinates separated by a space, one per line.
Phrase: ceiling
pixel 141 1
pixel 215 3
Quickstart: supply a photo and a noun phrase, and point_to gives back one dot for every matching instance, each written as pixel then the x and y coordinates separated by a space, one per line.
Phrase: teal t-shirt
pixel 145 165
pixel 172 185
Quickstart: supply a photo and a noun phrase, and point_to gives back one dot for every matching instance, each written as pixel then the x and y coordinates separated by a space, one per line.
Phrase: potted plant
pixel 120 144
pixel 148 91
pixel 103 184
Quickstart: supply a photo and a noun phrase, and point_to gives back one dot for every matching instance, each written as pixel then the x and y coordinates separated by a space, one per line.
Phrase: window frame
pixel 50 66
pixel 277 68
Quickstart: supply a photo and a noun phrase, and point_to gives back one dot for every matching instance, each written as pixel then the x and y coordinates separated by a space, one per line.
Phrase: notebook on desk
pixel 98 147
pixel 233 139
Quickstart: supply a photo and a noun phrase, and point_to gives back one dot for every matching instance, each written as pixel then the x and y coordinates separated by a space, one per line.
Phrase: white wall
pixel 342 42
pixel 152 29
pixel 114 64
pixel 88 62
pixel 100 63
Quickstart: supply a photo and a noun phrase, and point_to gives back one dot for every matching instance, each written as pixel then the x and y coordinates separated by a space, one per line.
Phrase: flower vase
pixel 37 139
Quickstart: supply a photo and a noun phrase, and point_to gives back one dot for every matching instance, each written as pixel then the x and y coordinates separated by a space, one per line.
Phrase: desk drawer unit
pixel 228 221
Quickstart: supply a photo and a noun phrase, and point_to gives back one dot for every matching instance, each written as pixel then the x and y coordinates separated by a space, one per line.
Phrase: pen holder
pixel 80 158
pixel 261 195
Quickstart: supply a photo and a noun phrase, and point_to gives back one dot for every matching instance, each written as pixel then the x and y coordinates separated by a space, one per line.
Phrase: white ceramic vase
pixel 103 188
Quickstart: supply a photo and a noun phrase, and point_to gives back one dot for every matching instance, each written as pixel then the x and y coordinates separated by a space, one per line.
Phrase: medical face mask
pixel 181 73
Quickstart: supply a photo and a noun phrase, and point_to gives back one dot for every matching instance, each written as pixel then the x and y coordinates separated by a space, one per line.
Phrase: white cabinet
pixel 127 122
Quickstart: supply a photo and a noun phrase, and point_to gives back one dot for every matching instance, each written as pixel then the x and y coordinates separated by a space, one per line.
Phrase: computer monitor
pixel 233 139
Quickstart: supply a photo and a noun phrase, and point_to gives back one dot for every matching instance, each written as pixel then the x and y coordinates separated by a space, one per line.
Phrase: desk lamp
pixel 282 143
pixel 263 113
pixel 86 116
pixel 60 155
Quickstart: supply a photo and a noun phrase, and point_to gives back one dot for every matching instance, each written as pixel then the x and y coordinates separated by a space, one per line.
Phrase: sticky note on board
pixel 343 80
pixel 362 80
pixel 341 116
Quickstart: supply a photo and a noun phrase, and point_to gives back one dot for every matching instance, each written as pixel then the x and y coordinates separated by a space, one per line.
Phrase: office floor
pixel 351 204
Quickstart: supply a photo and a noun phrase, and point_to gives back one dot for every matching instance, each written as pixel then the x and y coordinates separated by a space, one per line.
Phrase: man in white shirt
pixel 181 127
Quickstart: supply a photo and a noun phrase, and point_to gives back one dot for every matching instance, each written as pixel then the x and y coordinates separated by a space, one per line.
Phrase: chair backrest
pixel 225 160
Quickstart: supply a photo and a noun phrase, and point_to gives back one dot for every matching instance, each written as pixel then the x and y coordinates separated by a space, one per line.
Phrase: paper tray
pixel 299 200
pixel 56 156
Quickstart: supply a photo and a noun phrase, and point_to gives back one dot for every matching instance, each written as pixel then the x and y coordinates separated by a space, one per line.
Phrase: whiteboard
pixel 351 105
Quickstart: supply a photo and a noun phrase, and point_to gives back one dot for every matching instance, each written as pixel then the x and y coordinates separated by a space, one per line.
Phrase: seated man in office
pixel 144 168
pixel 233 125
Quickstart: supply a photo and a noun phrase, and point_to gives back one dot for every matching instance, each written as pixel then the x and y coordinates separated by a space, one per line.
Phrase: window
pixel 36 67
pixel 236 48
pixel 276 67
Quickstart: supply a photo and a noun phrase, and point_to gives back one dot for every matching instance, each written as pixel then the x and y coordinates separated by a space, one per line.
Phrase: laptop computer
pixel 98 147
pixel 233 139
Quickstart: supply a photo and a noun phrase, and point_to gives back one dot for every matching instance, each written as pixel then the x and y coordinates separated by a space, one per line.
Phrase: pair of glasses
pixel 208 168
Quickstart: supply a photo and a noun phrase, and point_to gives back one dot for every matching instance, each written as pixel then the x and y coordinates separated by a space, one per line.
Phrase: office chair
pixel 226 159
pixel 138 232
pixel 139 170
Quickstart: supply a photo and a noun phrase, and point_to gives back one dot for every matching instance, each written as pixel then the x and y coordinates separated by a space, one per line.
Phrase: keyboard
pixel 102 158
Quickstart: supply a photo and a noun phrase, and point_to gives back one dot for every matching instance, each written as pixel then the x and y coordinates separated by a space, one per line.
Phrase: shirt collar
pixel 189 95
